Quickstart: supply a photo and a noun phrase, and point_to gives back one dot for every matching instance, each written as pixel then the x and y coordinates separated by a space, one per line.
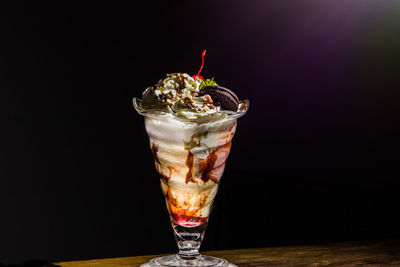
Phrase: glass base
pixel 174 260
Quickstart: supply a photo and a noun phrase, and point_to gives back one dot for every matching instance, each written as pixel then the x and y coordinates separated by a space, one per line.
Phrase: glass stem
pixel 189 240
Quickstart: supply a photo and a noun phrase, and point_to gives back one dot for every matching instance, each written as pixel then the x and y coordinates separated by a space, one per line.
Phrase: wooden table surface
pixel 371 253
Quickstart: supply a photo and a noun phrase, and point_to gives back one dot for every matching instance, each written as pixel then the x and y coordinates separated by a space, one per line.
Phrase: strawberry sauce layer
pixel 188 221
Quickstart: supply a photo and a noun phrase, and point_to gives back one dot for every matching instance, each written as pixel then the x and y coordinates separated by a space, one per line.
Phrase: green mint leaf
pixel 208 82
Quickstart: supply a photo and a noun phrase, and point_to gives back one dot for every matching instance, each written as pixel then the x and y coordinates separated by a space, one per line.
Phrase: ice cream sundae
pixel 190 122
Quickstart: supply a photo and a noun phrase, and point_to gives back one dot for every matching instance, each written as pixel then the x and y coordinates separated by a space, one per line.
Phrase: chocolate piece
pixel 222 96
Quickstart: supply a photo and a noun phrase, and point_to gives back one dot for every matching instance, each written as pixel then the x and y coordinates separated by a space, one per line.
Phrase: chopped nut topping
pixel 208 99
pixel 244 105
pixel 188 102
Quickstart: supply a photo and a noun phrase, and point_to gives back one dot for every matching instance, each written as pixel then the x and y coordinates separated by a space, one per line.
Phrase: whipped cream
pixel 179 93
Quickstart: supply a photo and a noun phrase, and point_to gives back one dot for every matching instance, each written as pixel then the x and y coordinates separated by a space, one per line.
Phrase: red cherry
pixel 202 64
pixel 198 76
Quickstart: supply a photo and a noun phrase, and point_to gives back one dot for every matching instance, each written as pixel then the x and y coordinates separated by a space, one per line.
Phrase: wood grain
pixel 372 253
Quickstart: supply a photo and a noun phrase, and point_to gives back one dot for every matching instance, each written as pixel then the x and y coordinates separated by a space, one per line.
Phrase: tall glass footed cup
pixel 190 157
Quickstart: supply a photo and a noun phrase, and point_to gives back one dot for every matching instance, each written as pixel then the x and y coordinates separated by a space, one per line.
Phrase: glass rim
pixel 242 110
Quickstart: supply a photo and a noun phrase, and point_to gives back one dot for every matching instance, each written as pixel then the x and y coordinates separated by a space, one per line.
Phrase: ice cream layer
pixel 190 158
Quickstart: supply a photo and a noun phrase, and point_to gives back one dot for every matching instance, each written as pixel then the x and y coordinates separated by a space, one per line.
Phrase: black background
pixel 315 160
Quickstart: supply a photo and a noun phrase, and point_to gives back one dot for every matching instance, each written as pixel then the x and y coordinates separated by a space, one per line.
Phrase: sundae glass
pixel 190 122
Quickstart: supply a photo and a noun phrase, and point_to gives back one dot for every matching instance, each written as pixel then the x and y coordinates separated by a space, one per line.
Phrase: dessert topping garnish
pixel 201 67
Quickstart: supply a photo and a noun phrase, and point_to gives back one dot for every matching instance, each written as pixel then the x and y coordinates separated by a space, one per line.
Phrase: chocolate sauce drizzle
pixel 170 198
pixel 207 167
pixel 165 178
pixel 189 164
pixel 210 165
pixel 154 150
